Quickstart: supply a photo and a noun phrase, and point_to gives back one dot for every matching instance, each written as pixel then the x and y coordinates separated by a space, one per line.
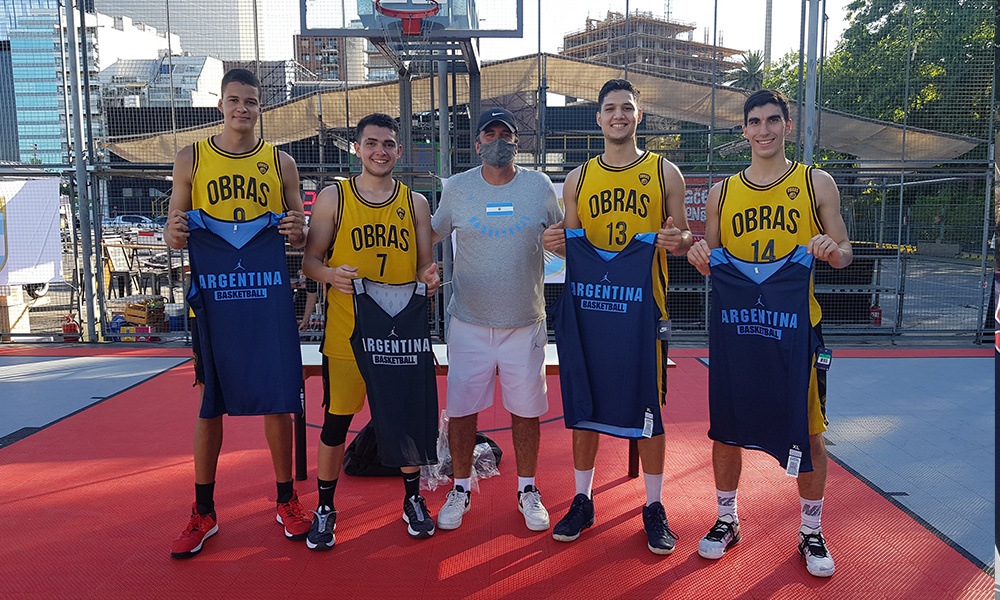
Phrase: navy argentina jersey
pixel 242 299
pixel 605 323
pixel 761 351
pixel 392 347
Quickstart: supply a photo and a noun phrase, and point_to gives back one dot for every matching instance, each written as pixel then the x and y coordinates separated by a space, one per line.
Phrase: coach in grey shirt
pixel 497 311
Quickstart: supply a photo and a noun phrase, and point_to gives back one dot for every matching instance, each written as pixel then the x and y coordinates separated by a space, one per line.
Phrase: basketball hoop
pixel 410 18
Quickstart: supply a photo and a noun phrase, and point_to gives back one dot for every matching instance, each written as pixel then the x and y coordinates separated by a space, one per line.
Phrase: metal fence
pixel 906 129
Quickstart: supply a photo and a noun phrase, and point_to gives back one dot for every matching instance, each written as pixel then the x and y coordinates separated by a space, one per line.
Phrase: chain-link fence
pixel 905 123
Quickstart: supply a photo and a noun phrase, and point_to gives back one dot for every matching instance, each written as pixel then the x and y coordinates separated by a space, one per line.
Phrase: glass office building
pixel 12 14
pixel 35 65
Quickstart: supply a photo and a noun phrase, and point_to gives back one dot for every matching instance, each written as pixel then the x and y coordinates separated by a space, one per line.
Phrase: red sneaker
pixel 291 515
pixel 199 529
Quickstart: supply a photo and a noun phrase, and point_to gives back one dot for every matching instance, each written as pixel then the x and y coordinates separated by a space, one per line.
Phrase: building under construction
pixel 644 43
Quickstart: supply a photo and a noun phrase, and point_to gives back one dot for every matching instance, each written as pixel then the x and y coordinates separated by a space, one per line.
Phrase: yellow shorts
pixel 343 387
pixel 817 402
pixel 661 359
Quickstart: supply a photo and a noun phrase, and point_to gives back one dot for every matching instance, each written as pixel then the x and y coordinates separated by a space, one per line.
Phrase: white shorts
pixel 476 353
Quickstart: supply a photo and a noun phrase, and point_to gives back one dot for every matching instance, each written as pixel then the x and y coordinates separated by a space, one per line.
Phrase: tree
pixel 750 75
pixel 948 45
pixel 946 48
pixel 784 75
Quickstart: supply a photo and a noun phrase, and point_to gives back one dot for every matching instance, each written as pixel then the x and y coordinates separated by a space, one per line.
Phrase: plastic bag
pixel 431 476
pixel 486 456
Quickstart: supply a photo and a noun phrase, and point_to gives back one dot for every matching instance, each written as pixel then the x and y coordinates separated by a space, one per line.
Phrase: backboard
pixel 455 19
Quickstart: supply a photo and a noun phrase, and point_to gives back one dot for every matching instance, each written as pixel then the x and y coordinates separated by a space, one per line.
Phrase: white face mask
pixel 498 153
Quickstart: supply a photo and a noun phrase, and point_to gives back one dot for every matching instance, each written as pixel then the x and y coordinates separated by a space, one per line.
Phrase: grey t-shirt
pixel 499 266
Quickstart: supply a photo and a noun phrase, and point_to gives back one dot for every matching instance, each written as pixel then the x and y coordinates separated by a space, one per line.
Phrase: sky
pixel 740 23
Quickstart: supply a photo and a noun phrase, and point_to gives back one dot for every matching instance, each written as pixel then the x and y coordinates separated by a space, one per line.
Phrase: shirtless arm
pixel 832 246
pixel 427 269
pixel 294 221
pixel 553 238
pixel 700 253
pixel 675 235
pixel 176 231
pixel 322 233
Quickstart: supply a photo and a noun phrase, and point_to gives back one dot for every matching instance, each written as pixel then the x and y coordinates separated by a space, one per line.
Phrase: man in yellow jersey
pixel 371 226
pixel 802 206
pixel 614 196
pixel 235 176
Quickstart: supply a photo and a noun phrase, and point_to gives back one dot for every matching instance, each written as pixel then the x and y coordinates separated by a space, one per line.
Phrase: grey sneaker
pixel 420 523
pixel 812 547
pixel 324 523
pixel 455 507
pixel 721 537
pixel 654 521
pixel 529 502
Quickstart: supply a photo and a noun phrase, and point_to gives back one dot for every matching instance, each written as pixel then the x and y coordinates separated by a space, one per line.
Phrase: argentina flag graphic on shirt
pixel 499 209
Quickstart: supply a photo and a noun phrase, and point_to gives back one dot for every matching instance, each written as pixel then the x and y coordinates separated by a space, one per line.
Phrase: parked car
pixel 130 222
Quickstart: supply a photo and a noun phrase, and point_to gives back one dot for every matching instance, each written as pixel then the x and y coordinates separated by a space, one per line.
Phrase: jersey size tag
pixel 647 424
pixel 794 462
pixel 824 356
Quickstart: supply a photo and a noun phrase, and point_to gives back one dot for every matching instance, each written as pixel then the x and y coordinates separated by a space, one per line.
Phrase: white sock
pixel 523 482
pixel 726 503
pixel 584 482
pixel 465 482
pixel 812 512
pixel 654 487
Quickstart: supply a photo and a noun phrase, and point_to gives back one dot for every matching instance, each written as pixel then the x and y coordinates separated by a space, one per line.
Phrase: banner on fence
pixel 30 247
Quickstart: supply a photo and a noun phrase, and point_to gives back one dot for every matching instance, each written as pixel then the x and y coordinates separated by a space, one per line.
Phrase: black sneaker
pixel 324 523
pixel 654 520
pixel 419 522
pixel 579 517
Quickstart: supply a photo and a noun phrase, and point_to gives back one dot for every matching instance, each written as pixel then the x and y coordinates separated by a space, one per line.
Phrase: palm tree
pixel 749 76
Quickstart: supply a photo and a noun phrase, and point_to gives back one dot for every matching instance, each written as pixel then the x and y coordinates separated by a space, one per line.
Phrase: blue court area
pixel 37 391
pixel 922 432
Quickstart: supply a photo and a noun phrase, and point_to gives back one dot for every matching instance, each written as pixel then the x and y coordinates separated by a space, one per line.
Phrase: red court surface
pixel 90 504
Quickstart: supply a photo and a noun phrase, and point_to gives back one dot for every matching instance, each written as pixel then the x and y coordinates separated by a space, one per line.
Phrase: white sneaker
pixel 812 547
pixel 529 502
pixel 455 507
pixel 721 537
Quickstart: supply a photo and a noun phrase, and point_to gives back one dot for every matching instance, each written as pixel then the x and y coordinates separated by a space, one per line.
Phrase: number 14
pixel 767 256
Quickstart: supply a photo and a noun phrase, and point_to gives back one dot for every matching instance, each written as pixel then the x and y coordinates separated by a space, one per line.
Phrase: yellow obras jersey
pixel 764 223
pixel 381 241
pixel 236 187
pixel 615 203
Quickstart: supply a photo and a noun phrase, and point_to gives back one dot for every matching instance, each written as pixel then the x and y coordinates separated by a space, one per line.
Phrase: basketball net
pixel 410 12
pixel 411 30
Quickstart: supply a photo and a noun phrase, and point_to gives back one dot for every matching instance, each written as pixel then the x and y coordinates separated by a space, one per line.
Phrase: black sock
pixel 411 481
pixel 326 490
pixel 285 491
pixel 204 497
